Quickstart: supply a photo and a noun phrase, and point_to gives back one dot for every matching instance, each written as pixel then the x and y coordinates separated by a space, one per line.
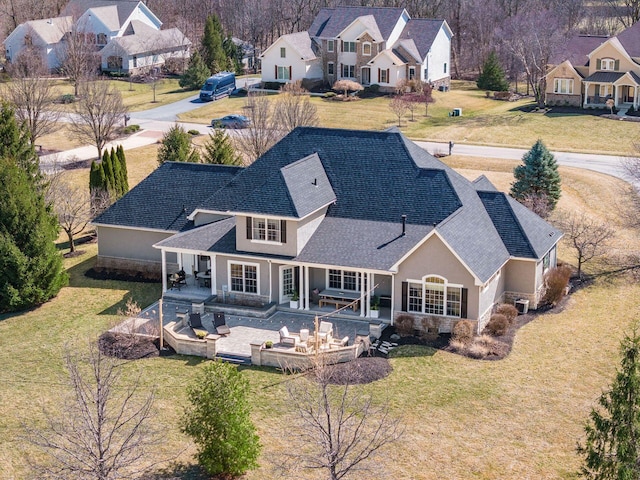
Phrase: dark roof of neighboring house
pixel 604 77
pixel 524 233
pixel 167 196
pixel 577 49
pixel 331 21
pixel 423 32
pixel 630 40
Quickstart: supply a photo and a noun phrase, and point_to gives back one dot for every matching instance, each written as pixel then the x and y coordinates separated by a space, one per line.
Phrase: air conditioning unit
pixel 457 112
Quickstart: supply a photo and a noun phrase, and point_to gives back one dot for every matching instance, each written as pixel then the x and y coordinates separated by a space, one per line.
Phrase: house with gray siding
pixel 368 214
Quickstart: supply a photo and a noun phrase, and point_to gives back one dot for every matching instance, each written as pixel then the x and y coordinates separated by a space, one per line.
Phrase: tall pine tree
pixel 492 77
pixel 196 74
pixel 117 173
pixel 123 169
pixel 212 50
pixel 219 150
pixel 538 176
pixel 31 266
pixel 612 447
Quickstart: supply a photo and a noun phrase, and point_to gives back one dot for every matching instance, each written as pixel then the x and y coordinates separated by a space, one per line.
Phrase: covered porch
pixel 621 87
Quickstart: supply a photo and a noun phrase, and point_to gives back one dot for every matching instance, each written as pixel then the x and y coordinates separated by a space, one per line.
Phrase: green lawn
pixel 484 121
pixel 515 418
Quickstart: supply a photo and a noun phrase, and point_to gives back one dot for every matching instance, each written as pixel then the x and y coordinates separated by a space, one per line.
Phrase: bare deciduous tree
pixel 398 105
pixel 261 134
pixel 97 114
pixel 342 429
pixel 293 108
pixel 77 54
pixel 32 95
pixel 347 86
pixel 588 236
pixel 538 203
pixel 102 430
pixel 72 206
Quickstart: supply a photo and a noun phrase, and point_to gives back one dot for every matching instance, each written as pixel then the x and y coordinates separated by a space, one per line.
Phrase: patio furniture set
pixel 304 342
pixel 219 323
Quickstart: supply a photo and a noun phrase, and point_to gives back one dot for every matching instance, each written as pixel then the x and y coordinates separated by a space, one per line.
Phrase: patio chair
pixel 325 332
pixel 220 323
pixel 195 321
pixel 286 338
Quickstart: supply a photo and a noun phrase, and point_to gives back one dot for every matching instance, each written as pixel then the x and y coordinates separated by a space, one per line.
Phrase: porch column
pixel 212 265
pixel 369 289
pixel 586 94
pixel 363 294
pixel 615 95
pixel 393 295
pixel 301 287
pixel 306 288
pixel 180 261
pixel 164 270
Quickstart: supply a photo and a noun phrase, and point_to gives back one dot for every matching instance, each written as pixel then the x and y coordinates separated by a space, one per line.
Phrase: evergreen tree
pixel 219 150
pixel 212 50
pixel 234 55
pixel 31 266
pixel 218 419
pixel 117 173
pixel 538 177
pixel 108 173
pixel 612 448
pixel 176 147
pixel 15 142
pixel 492 77
pixel 196 74
pixel 123 169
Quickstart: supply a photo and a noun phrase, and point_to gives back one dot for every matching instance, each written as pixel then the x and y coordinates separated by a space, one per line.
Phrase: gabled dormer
pixel 612 57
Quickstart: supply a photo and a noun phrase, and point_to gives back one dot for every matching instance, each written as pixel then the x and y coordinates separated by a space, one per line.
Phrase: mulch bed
pixel 127 347
pixel 99 274
pixel 359 371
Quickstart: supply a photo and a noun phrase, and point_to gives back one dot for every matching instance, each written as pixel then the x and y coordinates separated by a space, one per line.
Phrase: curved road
pixel 154 122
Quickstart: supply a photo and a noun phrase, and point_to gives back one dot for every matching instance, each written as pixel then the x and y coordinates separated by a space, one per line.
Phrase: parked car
pixel 231 121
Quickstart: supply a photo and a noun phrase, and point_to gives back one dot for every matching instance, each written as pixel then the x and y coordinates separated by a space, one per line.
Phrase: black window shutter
pixel 249 228
pixel 405 296
pixel 463 303
pixel 283 231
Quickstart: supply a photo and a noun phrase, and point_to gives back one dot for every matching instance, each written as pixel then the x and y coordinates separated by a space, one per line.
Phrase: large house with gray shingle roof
pixel 126 34
pixel 590 69
pixel 360 212
pixel 370 45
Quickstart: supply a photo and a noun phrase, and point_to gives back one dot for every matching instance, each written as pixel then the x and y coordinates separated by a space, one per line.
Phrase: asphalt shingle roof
pixel 331 21
pixel 124 9
pixel 164 199
pixel 308 185
pixel 577 49
pixel 423 32
pixel 630 40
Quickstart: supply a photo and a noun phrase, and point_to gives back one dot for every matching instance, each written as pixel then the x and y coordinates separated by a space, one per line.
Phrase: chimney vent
pixel 404 225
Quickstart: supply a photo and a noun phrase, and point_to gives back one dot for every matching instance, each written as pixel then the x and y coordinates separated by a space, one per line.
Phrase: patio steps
pixel 231 358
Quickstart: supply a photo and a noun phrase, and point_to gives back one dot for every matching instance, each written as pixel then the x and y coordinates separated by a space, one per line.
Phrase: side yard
pixel 515 418
pixel 483 121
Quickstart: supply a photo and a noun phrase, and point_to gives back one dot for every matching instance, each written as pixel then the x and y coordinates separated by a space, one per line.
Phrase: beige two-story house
pixel 360 214
pixel 589 70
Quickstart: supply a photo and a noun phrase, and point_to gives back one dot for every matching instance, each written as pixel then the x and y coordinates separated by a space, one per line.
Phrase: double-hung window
pixel 349 47
pixel 283 73
pixel 330 68
pixel 243 277
pixel 266 229
pixel 563 85
pixel 330 45
pixel 348 71
pixel 607 64
pixel 344 280
pixel 366 49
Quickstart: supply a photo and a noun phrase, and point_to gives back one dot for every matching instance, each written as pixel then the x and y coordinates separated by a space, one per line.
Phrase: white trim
pixel 615 43
pixel 141 229
pixel 331 42
pixel 282 297
pixel 257 265
pixel 370 49
pixel 445 286
pixel 229 213
pixel 559 65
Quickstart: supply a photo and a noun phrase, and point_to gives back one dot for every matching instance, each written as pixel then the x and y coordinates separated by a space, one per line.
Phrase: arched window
pixel 102 39
pixel 435 296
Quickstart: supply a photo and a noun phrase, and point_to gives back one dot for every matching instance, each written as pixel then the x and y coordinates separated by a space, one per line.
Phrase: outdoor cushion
pixel 195 321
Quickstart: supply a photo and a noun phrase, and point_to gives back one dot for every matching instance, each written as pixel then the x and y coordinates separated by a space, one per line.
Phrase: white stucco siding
pixel 396 72
pixel 272 59
pixel 142 15
pixel 397 30
pixel 439 56
pixel 352 32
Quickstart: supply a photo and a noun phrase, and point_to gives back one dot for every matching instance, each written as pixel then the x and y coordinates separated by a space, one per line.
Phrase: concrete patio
pixel 245 330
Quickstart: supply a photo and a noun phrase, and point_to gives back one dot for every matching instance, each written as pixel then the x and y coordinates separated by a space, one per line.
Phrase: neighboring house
pixel 125 33
pixel 366 213
pixel 370 45
pixel 589 70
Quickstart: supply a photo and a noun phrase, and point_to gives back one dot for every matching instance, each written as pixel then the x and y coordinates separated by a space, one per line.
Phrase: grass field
pixel 484 121
pixel 515 418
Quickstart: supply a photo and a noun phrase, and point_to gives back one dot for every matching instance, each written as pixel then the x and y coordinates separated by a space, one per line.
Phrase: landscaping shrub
pixel 508 310
pixel 131 129
pixel 272 85
pixel 457 345
pixel 193 132
pixel 404 325
pixel 330 94
pixel 67 98
pixel 463 332
pixel 497 325
pixel 555 284
pixel 477 350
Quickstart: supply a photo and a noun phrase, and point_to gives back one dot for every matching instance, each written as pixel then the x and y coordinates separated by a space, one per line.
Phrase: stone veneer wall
pixel 561 99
